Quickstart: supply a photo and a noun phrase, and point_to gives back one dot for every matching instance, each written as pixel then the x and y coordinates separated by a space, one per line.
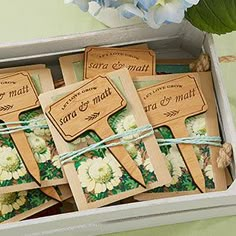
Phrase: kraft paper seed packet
pixel 100 176
pixel 197 126
pixel 14 175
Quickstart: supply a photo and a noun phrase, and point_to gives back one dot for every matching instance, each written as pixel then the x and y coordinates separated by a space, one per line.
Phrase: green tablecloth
pixel 31 19
pixel 226 49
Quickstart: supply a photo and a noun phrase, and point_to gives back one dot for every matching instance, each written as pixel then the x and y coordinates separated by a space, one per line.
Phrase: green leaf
pixel 99 196
pixel 25 179
pixel 217 16
pixel 37 198
pixel 209 183
pixel 30 114
pixel 6 183
pixel 6 141
pixel 165 132
pixel 7 216
pixel 93 136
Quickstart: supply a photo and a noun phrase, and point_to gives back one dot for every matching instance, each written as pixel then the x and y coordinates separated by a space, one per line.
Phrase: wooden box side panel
pixel 127 217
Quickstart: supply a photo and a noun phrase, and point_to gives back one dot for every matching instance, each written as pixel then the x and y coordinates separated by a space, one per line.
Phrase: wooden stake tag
pixel 170 103
pixel 103 60
pixel 88 108
pixel 19 95
pixel 70 65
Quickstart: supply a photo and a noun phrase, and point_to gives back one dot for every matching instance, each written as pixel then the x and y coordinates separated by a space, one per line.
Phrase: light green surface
pixel 229 73
pixel 31 19
pixel 226 44
pixel 213 227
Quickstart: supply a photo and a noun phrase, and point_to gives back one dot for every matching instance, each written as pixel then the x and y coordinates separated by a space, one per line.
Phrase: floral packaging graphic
pixel 15 203
pixel 16 206
pixel 14 175
pixel 100 174
pixel 12 166
pixel 17 198
pixel 96 176
pixel 181 178
pixel 40 140
pixel 170 103
pixel 197 126
pixel 19 96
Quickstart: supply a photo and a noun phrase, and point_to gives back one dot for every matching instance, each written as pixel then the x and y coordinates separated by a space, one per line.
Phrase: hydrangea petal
pixel 129 10
pixel 83 4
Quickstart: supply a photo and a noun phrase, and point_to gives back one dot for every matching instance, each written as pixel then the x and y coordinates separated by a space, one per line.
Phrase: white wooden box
pixel 171 41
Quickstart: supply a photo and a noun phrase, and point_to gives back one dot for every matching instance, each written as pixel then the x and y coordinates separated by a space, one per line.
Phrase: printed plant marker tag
pixel 170 103
pixel 19 95
pixel 88 108
pixel 72 66
pixel 103 60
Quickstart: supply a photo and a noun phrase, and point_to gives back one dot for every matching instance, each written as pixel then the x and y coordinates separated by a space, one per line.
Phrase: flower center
pixel 8 198
pixel 11 164
pixel 161 2
pixel 100 172
pixel 40 146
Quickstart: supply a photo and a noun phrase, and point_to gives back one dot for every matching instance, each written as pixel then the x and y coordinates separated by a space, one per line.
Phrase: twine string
pixel 197 140
pixel 145 131
pixel 142 132
pixel 21 126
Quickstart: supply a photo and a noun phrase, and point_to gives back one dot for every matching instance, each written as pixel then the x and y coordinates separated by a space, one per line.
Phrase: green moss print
pixel 12 168
pixel 13 204
pixel 100 174
pixel 181 178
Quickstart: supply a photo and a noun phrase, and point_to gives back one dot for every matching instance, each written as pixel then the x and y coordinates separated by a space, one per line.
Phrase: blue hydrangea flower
pixel 153 12
pixel 84 4
pixel 157 12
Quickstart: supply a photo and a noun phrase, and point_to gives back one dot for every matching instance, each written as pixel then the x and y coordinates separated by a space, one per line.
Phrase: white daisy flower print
pixel 11 166
pixel 99 174
pixel 12 201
